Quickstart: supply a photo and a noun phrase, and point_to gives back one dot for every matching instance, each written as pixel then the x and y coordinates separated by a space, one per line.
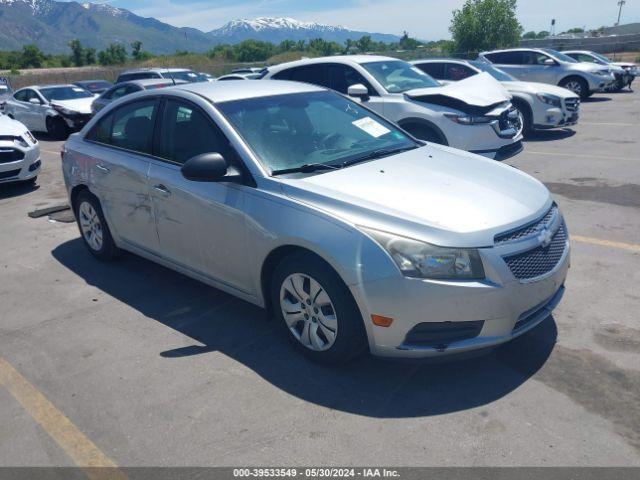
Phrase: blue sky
pixel 425 19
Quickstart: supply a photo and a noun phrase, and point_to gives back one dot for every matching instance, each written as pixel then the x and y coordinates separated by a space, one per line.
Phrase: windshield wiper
pixel 306 168
pixel 380 153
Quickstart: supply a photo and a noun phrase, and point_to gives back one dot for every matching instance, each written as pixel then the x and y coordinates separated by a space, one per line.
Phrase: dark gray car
pixel 127 88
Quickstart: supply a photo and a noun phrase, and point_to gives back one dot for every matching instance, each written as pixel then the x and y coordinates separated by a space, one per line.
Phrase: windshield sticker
pixel 372 127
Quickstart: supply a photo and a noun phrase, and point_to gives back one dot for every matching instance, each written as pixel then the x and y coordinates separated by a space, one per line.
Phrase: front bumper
pixel 78 121
pixel 503 306
pixel 18 163
pixel 502 153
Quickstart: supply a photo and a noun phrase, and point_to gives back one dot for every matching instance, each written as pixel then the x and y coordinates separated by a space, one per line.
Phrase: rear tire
pixel 317 310
pixel 93 227
pixel 577 85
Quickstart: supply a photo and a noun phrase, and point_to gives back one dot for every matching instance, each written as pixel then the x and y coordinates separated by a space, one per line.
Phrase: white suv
pixel 474 115
pixel 545 65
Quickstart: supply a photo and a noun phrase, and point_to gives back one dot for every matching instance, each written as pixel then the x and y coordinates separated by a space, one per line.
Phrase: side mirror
pixel 358 91
pixel 209 167
pixel 549 62
pixel 35 101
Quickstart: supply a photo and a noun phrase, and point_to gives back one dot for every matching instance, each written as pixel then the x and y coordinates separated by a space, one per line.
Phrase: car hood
pixel 623 64
pixel 80 105
pixel 534 88
pixel 433 193
pixel 10 127
pixel 588 67
pixel 480 90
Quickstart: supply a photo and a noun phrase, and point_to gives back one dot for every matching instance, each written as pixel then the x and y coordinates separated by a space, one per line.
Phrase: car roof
pixel 90 81
pixel 156 69
pixel 434 60
pixel 517 49
pixel 227 91
pixel 39 87
pixel 588 52
pixel 146 82
pixel 345 59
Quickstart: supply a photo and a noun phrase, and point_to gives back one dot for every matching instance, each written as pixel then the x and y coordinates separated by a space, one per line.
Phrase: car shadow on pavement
pixel 547 135
pixel 16 189
pixel 368 386
pixel 596 99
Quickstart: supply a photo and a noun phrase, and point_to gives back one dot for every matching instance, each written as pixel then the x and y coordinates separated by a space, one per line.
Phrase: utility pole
pixel 620 4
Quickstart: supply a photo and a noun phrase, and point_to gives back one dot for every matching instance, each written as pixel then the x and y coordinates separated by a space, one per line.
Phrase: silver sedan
pixel 350 232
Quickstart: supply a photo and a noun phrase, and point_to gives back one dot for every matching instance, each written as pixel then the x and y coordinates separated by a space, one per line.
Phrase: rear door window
pixel 341 77
pixel 435 69
pixel 506 58
pixel 456 72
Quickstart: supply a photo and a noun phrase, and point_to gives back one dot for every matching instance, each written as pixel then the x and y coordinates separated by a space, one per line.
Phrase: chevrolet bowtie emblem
pixel 545 237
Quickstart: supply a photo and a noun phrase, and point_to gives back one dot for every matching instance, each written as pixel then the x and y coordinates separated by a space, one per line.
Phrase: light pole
pixel 620 4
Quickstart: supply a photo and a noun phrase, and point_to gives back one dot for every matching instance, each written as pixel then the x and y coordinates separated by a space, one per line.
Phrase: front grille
pixel 10 155
pixel 9 174
pixel 572 104
pixel 527 230
pixel 541 260
pixel 442 334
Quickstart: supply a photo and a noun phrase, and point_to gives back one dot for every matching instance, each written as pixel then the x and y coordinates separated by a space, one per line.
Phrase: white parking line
pixel 611 124
pixel 579 155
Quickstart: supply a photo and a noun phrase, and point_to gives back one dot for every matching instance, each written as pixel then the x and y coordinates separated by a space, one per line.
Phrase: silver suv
pixel 545 65
pixel 183 74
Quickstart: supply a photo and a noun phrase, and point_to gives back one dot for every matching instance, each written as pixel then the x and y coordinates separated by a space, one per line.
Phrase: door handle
pixel 102 168
pixel 162 189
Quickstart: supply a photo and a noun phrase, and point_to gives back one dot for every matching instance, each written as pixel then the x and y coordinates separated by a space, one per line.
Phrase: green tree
pixel 31 57
pixel 90 56
pixel 114 54
pixel 485 25
pixel 530 35
pixel 575 30
pixel 407 43
pixel 543 34
pixel 364 44
pixel 136 49
pixel 78 56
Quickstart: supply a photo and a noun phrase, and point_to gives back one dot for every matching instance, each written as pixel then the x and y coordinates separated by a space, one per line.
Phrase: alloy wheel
pixel 574 86
pixel 90 226
pixel 308 312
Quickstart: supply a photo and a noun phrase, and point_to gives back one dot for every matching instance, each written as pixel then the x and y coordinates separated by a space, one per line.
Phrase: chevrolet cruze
pixel 353 234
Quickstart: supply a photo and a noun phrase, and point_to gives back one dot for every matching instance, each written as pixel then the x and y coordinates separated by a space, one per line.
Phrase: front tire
pixel 56 128
pixel 577 85
pixel 93 227
pixel 526 116
pixel 423 132
pixel 316 309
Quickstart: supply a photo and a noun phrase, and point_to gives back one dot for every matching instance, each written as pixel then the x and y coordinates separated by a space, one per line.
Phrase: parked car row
pixel 320 193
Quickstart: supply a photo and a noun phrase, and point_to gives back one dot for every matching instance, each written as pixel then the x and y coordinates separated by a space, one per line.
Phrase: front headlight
pixel 64 110
pixel 30 136
pixel 549 99
pixel 469 119
pixel 423 260
pixel 22 142
pixel 603 73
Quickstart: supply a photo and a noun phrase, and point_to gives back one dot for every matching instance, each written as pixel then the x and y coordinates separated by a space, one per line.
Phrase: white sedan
pixel 53 109
pixel 19 152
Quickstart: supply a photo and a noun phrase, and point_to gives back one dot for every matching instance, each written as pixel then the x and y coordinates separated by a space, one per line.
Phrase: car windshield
pixel 559 55
pixel 600 57
pixel 493 71
pixel 317 129
pixel 397 76
pixel 65 93
pixel 187 76
pixel 97 86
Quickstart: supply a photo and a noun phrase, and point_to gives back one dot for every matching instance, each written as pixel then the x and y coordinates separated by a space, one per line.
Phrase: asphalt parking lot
pixel 134 365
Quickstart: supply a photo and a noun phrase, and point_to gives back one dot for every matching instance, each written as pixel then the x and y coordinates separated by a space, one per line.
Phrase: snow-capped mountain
pixel 51 24
pixel 276 29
